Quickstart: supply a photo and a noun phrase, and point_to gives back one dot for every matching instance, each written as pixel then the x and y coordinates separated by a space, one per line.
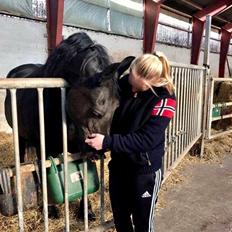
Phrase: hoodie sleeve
pixel 149 136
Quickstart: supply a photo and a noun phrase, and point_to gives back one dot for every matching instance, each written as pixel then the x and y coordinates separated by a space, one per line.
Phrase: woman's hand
pixel 95 141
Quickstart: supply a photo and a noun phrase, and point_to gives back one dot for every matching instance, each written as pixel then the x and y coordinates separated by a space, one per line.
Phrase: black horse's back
pixel 23 71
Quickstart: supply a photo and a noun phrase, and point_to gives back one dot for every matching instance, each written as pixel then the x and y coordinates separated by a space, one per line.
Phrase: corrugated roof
pixel 193 6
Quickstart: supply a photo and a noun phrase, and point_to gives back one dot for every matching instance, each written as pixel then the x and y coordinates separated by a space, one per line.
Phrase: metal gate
pixel 39 84
pixel 213 116
pixel 186 126
pixel 184 130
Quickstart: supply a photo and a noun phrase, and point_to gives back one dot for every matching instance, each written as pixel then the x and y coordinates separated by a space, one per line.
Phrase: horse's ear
pixel 117 69
pixel 124 65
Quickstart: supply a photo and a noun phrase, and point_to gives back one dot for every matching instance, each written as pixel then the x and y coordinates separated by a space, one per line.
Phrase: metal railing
pixel 184 130
pixel 186 126
pixel 211 105
pixel 40 83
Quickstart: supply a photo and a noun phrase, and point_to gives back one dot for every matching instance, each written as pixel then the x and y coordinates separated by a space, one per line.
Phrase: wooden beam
pixel 213 9
pixel 224 48
pixel 55 11
pixel 228 27
pixel 151 17
pixel 197 32
pixel 199 22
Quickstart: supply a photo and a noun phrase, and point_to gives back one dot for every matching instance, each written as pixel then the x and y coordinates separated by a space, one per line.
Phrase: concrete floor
pixel 203 202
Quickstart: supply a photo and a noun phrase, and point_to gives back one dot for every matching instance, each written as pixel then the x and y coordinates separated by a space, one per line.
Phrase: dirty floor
pixel 202 202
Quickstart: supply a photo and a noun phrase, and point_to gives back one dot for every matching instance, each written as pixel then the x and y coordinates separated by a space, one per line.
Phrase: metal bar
pixel 43 157
pixel 193 97
pixel 179 109
pixel 207 39
pixel 201 109
pixel 27 83
pixel 210 103
pixel 182 108
pixel 222 104
pixel 196 102
pixel 170 144
pixel 186 150
pixel 65 153
pixel 220 134
pixel 197 85
pixel 102 198
pixel 228 66
pixel 187 107
pixel 172 159
pixel 17 159
pixel 221 117
pixel 205 110
pixel 165 152
pixel 208 93
pixel 193 104
pixel 222 79
pixel 190 104
pixel 86 196
pixel 176 73
pixel 189 66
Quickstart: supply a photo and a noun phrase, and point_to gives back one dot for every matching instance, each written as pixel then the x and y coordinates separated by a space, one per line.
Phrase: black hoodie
pixel 138 128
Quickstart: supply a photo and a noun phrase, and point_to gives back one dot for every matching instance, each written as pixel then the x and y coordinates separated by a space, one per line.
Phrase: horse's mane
pixel 75 57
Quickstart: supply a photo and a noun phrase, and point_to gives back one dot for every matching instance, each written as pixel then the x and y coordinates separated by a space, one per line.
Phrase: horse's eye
pixel 102 102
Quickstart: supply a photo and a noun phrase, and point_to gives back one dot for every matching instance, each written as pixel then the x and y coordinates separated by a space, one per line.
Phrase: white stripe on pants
pixel 158 178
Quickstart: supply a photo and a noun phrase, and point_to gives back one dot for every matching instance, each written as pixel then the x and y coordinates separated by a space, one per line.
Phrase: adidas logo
pixel 146 194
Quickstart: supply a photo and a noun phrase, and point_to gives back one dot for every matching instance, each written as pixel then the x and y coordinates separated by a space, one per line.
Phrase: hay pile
pixel 6 150
pixel 223 93
pixel 33 219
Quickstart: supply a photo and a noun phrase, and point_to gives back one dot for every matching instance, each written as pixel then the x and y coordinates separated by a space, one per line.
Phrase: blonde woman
pixel 137 142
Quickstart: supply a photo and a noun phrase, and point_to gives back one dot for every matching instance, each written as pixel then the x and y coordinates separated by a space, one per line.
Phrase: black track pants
pixel 133 199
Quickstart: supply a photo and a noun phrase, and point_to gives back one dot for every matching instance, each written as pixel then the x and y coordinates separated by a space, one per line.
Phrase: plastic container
pixel 55 180
pixel 216 111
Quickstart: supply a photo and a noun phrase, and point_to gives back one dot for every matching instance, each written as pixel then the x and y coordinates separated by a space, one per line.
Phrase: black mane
pixel 76 57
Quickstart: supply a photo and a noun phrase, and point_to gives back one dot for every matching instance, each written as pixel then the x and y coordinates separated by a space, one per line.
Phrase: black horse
pixel 77 59
pixel 91 98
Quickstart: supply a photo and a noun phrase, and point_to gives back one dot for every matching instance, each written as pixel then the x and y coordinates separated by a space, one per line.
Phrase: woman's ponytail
pixel 165 75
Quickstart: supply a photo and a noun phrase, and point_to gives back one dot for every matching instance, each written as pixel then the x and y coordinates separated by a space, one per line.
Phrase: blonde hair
pixel 155 69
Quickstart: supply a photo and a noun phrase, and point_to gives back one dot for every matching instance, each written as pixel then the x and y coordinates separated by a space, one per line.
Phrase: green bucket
pixel 216 111
pixel 55 180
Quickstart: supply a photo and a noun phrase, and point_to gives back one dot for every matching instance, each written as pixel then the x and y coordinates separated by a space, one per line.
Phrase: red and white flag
pixel 166 108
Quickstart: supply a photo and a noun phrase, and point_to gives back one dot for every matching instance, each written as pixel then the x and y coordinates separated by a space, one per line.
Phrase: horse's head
pixel 75 58
pixel 93 96
pixel 92 102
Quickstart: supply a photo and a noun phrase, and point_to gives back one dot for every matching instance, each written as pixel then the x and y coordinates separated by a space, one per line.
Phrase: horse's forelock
pixel 65 52
pixel 76 57
pixel 93 59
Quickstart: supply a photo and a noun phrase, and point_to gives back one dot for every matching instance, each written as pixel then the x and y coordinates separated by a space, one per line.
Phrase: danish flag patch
pixel 166 108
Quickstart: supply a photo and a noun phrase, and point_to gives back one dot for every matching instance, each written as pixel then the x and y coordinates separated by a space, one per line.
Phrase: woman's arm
pixel 142 140
pixel 145 139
